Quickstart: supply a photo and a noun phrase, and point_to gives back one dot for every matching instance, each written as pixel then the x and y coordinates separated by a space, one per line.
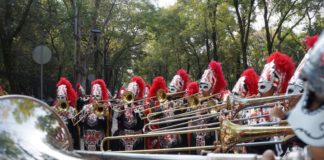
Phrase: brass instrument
pixel 233 104
pixel 54 142
pixel 128 97
pixel 247 102
pixel 62 106
pixel 42 133
pixel 195 101
pixel 190 120
pixel 231 133
pixel 100 108
pixel 162 96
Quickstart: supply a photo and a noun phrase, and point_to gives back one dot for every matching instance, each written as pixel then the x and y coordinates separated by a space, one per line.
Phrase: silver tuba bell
pixel 29 129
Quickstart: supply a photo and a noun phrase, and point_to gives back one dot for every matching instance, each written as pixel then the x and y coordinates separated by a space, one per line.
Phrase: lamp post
pixel 96 39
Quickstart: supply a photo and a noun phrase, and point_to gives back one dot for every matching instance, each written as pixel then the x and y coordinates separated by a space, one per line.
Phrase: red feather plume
pixel 103 89
pixel 218 73
pixel 71 95
pixel 158 83
pixel 251 81
pixel 141 85
pixel 310 41
pixel 284 64
pixel 193 88
pixel 185 77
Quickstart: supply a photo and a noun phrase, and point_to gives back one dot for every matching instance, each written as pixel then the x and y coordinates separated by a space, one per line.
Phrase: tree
pixel 244 11
pixel 291 11
pixel 13 18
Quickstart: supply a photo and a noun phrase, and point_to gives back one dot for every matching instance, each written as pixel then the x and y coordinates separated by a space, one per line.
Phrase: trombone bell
pixel 128 97
pixel 233 133
pixel 162 96
pixel 195 101
pixel 62 106
pixel 100 109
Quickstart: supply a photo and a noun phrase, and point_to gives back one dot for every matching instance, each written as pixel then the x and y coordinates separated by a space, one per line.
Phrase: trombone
pixel 193 102
pixel 235 105
pixel 229 135
pixel 62 105
pixel 129 98
pixel 98 107
pixel 163 97
pixel 196 120
pixel 241 103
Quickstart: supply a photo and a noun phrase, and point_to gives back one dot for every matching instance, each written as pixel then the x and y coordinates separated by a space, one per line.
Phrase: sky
pixel 164 3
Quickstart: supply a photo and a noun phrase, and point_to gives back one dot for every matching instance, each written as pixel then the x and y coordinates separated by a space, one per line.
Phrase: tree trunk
pixel 78 74
pixel 214 33
pixel 8 64
pixel 244 26
pixel 238 66
pixel 207 40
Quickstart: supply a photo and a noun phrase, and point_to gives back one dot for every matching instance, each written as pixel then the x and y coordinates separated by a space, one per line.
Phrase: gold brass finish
pixel 247 102
pixel 231 133
pixel 210 147
pixel 162 96
pixel 62 106
pixel 194 101
pixel 128 97
pixel 100 108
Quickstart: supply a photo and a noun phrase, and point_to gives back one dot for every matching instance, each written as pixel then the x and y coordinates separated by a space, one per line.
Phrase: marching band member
pixel 96 122
pixel 275 75
pixel 179 82
pixel 81 101
pixel 151 101
pixel 82 97
pixel 274 78
pixel 193 88
pixel 211 83
pixel 177 85
pixel 130 122
pixel 247 86
pixel 64 107
pixel 306 118
pixel 295 84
